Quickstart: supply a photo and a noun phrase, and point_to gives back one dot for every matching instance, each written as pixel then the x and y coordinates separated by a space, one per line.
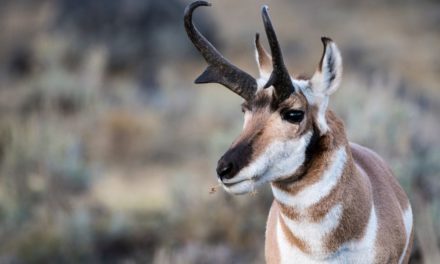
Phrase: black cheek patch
pixel 241 154
pixel 313 147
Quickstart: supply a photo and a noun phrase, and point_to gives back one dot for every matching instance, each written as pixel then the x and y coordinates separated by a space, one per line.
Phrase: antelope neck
pixel 313 209
pixel 326 167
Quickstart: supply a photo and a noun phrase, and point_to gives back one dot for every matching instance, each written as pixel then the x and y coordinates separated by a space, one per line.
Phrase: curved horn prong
pixel 220 70
pixel 280 77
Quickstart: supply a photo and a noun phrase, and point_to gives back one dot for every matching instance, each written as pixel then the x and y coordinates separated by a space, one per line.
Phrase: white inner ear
pixel 326 81
pixel 329 76
pixel 264 61
pixel 264 68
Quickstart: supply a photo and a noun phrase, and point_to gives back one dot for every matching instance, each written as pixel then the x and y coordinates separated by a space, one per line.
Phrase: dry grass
pixel 98 167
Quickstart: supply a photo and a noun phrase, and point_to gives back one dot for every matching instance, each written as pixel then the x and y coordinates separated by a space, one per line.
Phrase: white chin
pixel 243 187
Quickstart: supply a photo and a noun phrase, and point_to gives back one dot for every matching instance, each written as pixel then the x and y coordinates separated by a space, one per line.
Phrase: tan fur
pixel 264 127
pixel 355 195
pixel 385 188
pixel 366 179
pixel 294 240
pixel 365 183
pixel 320 160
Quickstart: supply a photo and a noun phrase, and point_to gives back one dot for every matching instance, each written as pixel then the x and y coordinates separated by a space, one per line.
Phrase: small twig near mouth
pixel 214 188
pixel 254 191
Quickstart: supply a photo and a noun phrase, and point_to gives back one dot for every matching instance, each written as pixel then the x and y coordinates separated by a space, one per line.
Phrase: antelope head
pixel 283 116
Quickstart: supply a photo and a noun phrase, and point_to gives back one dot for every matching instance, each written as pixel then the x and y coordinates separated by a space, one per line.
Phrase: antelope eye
pixel 293 116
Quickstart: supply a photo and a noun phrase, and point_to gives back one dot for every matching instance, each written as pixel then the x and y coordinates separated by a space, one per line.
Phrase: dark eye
pixel 293 116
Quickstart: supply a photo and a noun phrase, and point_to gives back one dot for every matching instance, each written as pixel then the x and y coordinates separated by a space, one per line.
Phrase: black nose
pixel 225 169
pixel 235 159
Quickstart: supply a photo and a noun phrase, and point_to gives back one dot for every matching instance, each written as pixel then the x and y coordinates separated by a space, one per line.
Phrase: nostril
pixel 224 171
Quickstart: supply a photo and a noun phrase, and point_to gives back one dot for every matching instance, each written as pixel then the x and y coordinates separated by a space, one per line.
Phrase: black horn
pixel 280 78
pixel 220 70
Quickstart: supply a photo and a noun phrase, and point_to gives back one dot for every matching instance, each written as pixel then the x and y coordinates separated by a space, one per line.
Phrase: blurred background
pixel 108 150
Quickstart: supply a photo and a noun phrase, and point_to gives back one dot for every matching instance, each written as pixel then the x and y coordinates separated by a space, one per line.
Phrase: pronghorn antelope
pixel 335 201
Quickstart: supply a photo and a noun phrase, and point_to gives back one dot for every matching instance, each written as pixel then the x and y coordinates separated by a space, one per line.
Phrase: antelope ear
pixel 264 60
pixel 327 77
pixel 326 80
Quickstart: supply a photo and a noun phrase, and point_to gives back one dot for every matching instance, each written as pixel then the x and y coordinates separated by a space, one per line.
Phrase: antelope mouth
pixel 243 186
pixel 253 179
pixel 230 184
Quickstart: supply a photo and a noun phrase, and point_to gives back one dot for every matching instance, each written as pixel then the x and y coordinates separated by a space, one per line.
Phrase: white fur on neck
pixel 312 233
pixel 315 192
pixel 363 250
pixel 408 221
pixel 360 251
